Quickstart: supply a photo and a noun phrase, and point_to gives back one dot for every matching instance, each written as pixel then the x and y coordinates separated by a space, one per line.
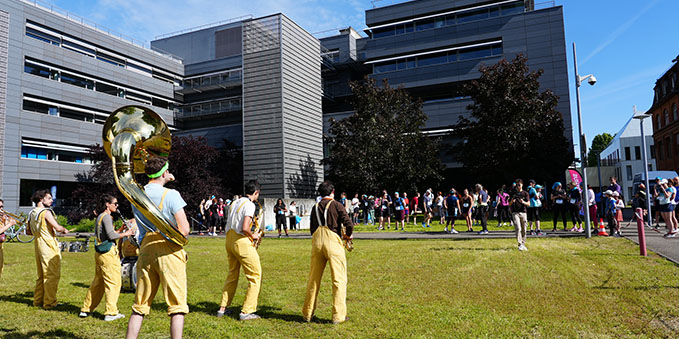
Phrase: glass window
pixel 411 63
pixel 667 117
pixel 452 56
pixel 410 27
pixel 37 107
pixel 474 53
pixel 496 49
pixel 494 12
pixel 450 20
pixel 432 59
pixel 472 16
pixel 439 22
pixel 75 115
pixel 424 24
pixel 139 68
pixel 514 8
pixel 637 150
pixel 34 33
pixel 382 32
pixel 385 67
pixel 40 71
pixel 110 59
pixel 629 172
pixel 674 112
pixel 78 48
pixel 399 29
pixel 77 81
pixel 401 64
pixel 106 88
pixel 628 152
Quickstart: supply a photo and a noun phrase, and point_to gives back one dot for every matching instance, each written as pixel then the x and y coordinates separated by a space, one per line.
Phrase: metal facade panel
pixel 4 46
pixel 302 111
pixel 262 105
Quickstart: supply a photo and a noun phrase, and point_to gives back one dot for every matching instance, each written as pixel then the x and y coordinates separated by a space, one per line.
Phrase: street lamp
pixel 642 241
pixel 583 146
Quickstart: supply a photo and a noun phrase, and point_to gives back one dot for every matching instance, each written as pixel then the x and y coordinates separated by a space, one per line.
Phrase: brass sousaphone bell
pixel 132 135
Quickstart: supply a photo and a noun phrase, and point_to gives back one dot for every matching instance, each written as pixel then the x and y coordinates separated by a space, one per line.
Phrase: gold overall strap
pixel 237 210
pixel 100 220
pixel 162 199
pixel 33 218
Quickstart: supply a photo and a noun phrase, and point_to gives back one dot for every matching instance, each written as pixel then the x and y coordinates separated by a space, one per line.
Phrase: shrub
pixel 85 225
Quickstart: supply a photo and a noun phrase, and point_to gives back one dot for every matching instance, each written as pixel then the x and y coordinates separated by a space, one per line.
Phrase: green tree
pixel 381 145
pixel 514 129
pixel 599 143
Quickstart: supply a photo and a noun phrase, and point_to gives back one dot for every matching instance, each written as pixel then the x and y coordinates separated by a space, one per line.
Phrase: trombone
pixel 20 219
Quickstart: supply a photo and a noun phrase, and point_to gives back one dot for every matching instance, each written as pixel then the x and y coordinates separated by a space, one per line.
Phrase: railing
pixel 213 24
pixel 384 3
pixel 213 80
pixel 102 29
pixel 215 107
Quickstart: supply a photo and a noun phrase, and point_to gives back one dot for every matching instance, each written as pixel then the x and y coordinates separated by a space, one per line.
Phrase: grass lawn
pixel 402 288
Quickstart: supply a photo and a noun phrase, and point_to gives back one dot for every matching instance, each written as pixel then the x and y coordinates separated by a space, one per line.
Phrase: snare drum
pixel 128 271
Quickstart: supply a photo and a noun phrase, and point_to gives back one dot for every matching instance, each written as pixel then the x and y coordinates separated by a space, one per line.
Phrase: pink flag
pixel 575 177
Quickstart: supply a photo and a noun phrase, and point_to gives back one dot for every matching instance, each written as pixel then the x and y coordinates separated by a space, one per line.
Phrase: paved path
pixel 665 247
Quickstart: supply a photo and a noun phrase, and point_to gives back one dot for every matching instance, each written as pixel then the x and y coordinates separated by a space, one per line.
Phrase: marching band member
pixel 327 216
pixel 43 225
pixel 242 252
pixel 5 223
pixel 162 263
pixel 107 277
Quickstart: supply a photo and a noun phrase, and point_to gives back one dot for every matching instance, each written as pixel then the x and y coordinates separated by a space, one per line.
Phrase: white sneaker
pixel 523 248
pixel 453 231
pixel 84 314
pixel 445 229
pixel 248 316
pixel 114 317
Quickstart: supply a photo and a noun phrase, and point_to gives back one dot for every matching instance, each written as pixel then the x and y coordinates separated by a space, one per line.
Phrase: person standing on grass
pixel 519 204
pixel 591 205
pixel 574 205
pixel 452 205
pixel 241 252
pixel 427 204
pixel 467 209
pixel 279 210
pixel 399 211
pixel 483 199
pixel 5 223
pixel 107 278
pixel 384 211
pixel 371 209
pixel 502 199
pixel 327 218
pixel 534 208
pixel 43 225
pixel 415 207
pixel 161 262
pixel 355 206
pixel 559 205
pixel 406 203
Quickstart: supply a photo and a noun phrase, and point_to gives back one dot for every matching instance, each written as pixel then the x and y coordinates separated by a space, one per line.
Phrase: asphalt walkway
pixel 667 248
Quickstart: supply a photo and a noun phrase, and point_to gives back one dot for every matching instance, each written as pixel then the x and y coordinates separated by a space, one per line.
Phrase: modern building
pixel 263 85
pixel 666 119
pixel 625 155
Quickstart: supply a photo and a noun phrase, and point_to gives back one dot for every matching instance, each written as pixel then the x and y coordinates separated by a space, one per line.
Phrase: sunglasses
pixel 115 203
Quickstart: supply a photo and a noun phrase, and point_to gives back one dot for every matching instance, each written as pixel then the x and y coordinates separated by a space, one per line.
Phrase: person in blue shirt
pixel 399 211
pixel 452 205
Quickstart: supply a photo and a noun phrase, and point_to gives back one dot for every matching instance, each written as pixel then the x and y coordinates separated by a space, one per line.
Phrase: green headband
pixel 159 173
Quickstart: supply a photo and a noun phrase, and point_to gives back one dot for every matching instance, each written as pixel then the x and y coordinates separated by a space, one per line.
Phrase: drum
pixel 128 271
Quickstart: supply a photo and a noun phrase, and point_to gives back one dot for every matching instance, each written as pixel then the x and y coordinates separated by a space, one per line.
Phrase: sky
pixel 626 44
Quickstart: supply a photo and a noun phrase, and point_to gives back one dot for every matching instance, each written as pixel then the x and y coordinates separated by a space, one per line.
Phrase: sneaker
pixel 617 235
pixel 573 229
pixel 471 230
pixel 580 230
pixel 523 248
pixel 445 229
pixel 669 235
pixel 480 233
pixel 84 314
pixel 402 229
pixel 429 226
pixel 423 225
pixel 339 322
pixel 223 313
pixel 531 232
pixel 114 317
pixel 248 316
pixel 539 232
pixel 453 231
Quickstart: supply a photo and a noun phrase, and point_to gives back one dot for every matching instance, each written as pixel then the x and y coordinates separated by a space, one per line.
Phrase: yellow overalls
pixel 47 259
pixel 107 278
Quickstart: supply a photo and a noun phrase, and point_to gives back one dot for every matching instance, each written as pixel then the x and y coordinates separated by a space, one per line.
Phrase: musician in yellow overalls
pixel 5 223
pixel 44 226
pixel 107 278
pixel 242 252
pixel 327 216
pixel 162 263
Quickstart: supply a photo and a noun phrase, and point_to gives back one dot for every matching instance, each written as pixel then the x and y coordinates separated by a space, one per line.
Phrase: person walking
pixel 327 219
pixel 427 205
pixel 406 203
pixel 558 198
pixel 610 212
pixel 107 279
pixel 519 204
pixel 415 207
pixel 279 211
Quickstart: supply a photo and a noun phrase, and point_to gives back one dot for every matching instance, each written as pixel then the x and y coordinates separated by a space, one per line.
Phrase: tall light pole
pixel 583 147
pixel 641 116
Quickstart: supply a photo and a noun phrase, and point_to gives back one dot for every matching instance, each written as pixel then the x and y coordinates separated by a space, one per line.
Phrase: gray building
pixel 261 85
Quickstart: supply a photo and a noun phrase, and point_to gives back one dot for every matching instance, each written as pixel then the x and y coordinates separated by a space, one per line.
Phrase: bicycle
pixel 18 232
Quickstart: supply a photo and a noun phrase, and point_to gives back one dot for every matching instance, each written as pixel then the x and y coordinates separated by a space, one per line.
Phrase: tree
pixel 198 169
pixel 599 143
pixel 514 129
pixel 381 145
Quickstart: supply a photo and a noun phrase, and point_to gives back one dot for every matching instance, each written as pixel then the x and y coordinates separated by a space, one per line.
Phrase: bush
pixel 85 225
pixel 63 221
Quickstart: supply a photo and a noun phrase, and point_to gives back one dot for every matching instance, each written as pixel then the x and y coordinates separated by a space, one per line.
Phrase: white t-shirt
pixel 292 209
pixel 240 209
pixel 355 202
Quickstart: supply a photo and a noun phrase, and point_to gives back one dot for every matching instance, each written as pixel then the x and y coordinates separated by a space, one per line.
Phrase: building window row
pixel 84 81
pixel 208 108
pixel 54 151
pixel 57 38
pixel 666 117
pixel 438 21
pixel 37 104
pixel 437 58
pixel 214 79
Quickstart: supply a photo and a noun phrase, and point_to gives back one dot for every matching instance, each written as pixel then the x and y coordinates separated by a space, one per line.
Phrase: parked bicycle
pixel 18 231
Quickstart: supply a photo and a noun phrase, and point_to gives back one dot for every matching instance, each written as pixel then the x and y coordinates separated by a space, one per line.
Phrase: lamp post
pixel 641 116
pixel 583 148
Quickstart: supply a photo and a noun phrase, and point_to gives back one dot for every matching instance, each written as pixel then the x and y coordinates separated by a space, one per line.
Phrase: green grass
pixel 596 288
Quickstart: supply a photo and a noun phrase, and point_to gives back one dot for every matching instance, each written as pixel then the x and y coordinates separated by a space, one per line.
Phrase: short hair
pixel 105 199
pixel 154 165
pixel 325 188
pixel 518 181
pixel 39 195
pixel 2 200
pixel 252 186
pixel 531 181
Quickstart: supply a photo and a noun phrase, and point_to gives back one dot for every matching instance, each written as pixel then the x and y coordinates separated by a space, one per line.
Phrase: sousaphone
pixel 132 135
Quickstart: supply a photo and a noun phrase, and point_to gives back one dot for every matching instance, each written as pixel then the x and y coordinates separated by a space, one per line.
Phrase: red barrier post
pixel 640 229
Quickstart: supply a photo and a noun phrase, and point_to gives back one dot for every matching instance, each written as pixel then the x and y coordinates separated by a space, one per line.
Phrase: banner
pixel 575 177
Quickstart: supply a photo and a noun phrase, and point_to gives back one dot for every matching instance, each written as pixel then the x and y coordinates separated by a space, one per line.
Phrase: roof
pixel 629 130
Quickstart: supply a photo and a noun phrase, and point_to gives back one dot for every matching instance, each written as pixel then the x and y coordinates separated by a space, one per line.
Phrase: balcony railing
pixel 209 108
pixel 226 79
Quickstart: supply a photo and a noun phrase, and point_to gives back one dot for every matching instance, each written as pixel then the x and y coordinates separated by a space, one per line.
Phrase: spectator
pixel 279 210
pixel 574 205
pixel 384 211
pixel 591 203
pixel 483 199
pixel 502 200
pixel 452 205
pixel 559 205
pixel 407 207
pixel 355 208
pixel 415 207
pixel 614 187
pixel 519 203
pixel 535 195
pixel 665 194
pixel 292 212
pixel 399 211
pixel 427 204
pixel 467 209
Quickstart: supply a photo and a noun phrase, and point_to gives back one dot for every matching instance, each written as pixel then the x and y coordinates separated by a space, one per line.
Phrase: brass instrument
pixel 132 135
pixel 348 242
pixel 256 227
pixel 20 219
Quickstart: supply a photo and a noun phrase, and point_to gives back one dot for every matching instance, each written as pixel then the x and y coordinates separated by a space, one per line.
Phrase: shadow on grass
pixel 270 312
pixel 636 288
pixel 79 284
pixel 26 298
pixel 207 307
pixel 471 248
pixel 38 334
